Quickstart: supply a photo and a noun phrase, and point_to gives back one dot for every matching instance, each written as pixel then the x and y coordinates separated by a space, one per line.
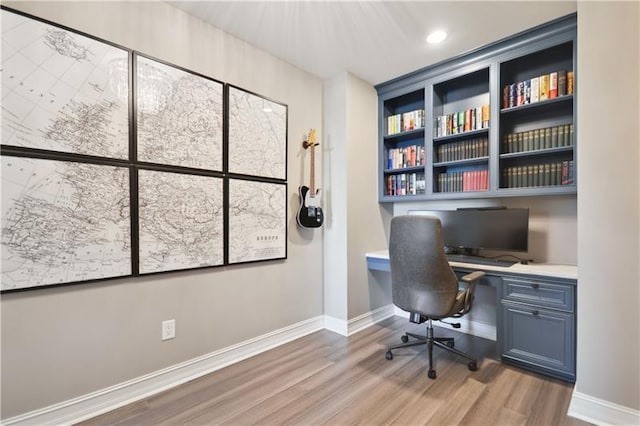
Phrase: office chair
pixel 423 283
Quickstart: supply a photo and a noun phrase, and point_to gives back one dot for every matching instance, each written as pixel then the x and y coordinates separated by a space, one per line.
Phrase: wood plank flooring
pixel 325 378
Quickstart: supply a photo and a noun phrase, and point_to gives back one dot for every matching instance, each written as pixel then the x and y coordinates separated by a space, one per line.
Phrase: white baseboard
pixel 601 412
pixel 359 323
pixel 474 328
pixel 104 400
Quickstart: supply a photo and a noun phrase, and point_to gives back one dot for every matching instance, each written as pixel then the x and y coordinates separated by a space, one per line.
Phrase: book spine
pixel 544 87
pixel 520 93
pixel 553 85
pixel 561 139
pixel 485 116
pixel 527 92
pixel 554 137
pixel 547 138
pixel 562 83
pixel 535 89
pixel 505 97
pixel 569 82
pixel 513 95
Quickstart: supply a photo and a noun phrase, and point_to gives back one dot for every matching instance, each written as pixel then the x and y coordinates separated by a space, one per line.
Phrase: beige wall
pixel 367 219
pixel 64 342
pixel 608 202
pixel 355 222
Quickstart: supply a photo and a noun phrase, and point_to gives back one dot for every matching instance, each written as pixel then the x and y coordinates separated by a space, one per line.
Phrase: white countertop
pixel 542 269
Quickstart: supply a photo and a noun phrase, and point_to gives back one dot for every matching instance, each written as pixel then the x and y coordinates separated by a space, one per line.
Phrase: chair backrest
pixel 422 280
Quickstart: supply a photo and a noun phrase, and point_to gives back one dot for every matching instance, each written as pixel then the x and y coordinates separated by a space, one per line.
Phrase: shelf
pixel 538 152
pixel 405 170
pixel 405 135
pixel 466 162
pixel 457 136
pixel 547 103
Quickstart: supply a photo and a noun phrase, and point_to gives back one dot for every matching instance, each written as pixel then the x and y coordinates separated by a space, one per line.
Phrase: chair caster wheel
pixel 388 355
pixel 404 338
pixel 473 366
pixel 432 374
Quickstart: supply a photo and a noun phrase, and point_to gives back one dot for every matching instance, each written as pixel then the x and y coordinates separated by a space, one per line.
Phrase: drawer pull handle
pixel 534 285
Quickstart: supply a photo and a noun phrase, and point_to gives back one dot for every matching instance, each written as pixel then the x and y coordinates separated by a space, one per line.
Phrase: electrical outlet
pixel 168 329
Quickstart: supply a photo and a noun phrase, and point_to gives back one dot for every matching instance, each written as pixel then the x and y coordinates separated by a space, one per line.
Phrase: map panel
pixel 62 91
pixel 181 221
pixel 179 117
pixel 63 222
pixel 257 221
pixel 257 135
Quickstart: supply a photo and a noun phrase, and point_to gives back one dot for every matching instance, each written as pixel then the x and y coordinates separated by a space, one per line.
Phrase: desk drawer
pixel 539 293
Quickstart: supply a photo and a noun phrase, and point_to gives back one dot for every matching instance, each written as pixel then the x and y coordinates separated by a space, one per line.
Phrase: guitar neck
pixel 312 186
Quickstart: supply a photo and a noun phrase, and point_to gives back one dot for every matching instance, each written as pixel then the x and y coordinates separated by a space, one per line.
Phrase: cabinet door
pixel 540 339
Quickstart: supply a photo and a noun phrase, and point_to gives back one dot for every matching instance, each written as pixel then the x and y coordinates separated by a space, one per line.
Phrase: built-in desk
pixel 536 316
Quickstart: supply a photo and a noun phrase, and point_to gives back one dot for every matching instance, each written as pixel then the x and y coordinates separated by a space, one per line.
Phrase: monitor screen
pixel 492 229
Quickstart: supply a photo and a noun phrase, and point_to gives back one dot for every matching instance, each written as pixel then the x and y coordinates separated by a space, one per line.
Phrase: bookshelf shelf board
pixel 537 152
pixel 408 197
pixel 405 135
pixel 457 136
pixel 535 190
pixel 404 170
pixel 457 194
pixel 468 161
pixel 548 103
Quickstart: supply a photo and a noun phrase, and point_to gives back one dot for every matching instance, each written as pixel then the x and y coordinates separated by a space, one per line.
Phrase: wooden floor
pixel 325 378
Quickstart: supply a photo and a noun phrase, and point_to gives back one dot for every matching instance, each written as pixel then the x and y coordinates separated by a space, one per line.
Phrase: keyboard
pixel 479 260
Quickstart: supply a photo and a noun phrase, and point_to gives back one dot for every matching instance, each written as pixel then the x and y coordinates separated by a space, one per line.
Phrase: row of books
pixel 462 121
pixel 405 184
pixel 463 150
pixel 547 86
pixel 474 180
pixel 405 122
pixel 409 156
pixel 537 175
pixel 550 137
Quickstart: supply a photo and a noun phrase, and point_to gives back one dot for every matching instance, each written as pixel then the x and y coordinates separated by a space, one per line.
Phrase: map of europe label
pixel 63 222
pixel 181 221
pixel 179 117
pixel 62 91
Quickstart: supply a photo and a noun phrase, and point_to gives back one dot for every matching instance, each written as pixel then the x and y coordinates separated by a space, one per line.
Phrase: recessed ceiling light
pixel 436 37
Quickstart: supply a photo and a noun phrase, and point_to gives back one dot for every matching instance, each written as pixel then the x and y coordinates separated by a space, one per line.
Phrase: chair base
pixel 446 343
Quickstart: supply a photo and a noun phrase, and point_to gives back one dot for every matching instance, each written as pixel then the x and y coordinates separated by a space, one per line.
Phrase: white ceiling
pixel 374 40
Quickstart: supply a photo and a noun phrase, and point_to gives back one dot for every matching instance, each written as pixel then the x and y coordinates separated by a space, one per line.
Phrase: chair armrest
pixel 468 294
pixel 472 276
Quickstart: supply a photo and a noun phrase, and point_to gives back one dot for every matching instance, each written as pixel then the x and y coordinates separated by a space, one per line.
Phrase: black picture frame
pixel 257 220
pixel 257 135
pixel 179 116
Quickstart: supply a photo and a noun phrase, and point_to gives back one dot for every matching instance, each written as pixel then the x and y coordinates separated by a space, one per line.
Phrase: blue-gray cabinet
pixel 537 327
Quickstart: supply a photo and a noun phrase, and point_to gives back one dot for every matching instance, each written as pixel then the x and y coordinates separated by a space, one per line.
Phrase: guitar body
pixel 310 214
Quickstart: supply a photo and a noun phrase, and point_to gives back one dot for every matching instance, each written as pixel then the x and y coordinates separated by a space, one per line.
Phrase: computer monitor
pixel 475 229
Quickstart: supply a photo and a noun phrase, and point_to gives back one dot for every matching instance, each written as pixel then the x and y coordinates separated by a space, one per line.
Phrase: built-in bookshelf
pixel 498 121
pixel 403 147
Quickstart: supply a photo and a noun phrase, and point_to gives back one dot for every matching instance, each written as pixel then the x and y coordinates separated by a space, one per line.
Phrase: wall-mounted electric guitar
pixel 310 214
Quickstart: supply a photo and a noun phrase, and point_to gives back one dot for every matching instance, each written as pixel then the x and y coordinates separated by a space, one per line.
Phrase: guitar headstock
pixel 311 139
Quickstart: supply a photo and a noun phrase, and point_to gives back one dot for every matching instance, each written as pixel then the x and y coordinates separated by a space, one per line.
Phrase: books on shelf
pixel 405 122
pixel 408 156
pixel 547 86
pixel 463 181
pixel 462 150
pixel 462 121
pixel 533 140
pixel 537 175
pixel 405 184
